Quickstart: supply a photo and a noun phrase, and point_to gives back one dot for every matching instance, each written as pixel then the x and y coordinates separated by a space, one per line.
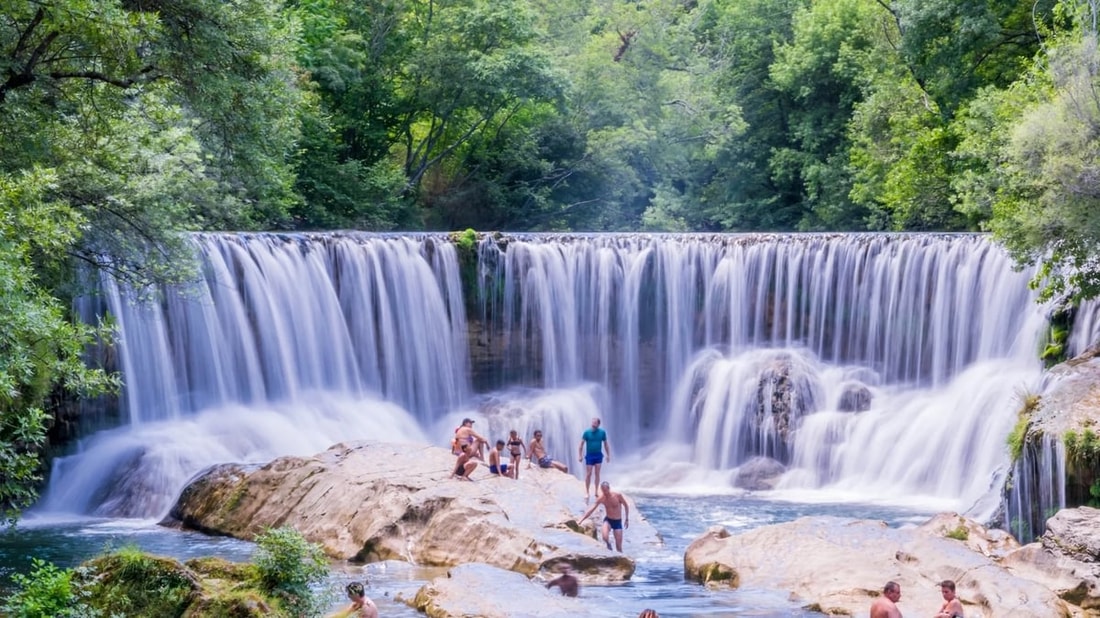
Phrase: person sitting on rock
pixel 617 514
pixel 537 452
pixel 566 582
pixel 494 460
pixel 361 606
pixel 516 448
pixel 465 434
pixel 464 465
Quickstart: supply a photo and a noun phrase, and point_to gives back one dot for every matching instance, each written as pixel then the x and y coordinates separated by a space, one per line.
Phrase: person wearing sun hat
pixel 465 434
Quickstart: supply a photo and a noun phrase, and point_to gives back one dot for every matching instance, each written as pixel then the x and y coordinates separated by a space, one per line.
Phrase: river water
pixel 658 582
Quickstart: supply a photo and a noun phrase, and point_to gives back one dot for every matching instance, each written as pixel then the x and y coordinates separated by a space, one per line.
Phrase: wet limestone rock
pixel 489 592
pixel 838 566
pixel 369 501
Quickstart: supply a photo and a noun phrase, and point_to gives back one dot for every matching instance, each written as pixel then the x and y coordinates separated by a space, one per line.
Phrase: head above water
pixel 605 485
pixel 355 590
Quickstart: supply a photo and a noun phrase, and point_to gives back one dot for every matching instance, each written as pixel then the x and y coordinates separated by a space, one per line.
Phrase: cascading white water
pixel 940 328
pixel 707 349
pixel 288 344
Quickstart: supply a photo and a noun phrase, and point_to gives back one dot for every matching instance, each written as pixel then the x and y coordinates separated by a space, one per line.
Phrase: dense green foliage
pixel 128 582
pixel 124 124
pixel 47 591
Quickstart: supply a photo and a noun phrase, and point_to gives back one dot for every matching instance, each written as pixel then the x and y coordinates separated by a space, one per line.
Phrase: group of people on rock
pixel 469 446
pixel 886 606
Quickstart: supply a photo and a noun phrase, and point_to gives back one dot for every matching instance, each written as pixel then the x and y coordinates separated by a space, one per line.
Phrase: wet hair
pixel 891 586
pixel 605 484
pixel 949 584
pixel 355 589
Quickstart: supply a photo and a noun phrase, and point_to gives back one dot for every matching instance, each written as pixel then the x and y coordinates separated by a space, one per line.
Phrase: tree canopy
pixel 125 124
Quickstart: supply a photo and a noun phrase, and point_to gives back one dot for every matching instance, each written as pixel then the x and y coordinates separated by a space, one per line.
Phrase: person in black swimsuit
pixel 516 448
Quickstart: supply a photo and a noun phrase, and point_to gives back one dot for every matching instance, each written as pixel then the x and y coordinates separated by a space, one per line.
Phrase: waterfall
pixel 878 366
pixel 743 345
pixel 286 345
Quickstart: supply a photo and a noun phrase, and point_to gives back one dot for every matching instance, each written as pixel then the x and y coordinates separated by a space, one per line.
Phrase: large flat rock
pixel 839 565
pixel 370 501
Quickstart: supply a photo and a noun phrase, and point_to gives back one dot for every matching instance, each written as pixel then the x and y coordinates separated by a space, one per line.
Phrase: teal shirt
pixel 594 439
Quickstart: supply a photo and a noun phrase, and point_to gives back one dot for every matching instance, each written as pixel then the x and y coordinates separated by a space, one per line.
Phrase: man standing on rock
pixel 886 605
pixel 590 451
pixel 617 515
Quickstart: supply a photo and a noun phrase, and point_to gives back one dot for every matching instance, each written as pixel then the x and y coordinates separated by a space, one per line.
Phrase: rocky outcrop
pixel 785 393
pixel 838 566
pixel 489 592
pixel 368 502
pixel 1066 559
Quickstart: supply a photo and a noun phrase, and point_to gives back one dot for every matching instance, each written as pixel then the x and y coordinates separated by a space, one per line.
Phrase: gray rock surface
pixel 838 566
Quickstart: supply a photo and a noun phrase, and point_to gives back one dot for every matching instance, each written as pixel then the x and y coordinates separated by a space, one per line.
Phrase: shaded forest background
pixel 126 122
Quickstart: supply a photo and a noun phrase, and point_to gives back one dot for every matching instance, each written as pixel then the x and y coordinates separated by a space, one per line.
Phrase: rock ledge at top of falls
pixel 839 565
pixel 372 501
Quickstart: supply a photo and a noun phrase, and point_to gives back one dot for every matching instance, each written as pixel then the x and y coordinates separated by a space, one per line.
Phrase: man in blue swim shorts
pixel 590 451
pixel 495 466
pixel 616 511
pixel 537 451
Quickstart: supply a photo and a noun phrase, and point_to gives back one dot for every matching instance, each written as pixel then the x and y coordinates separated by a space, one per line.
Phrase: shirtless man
pixel 617 514
pixel 361 606
pixel 566 582
pixel 464 465
pixel 537 451
pixel 886 605
pixel 494 460
pixel 952 607
pixel 466 435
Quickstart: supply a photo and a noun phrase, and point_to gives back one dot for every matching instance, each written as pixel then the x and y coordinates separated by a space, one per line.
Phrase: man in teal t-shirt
pixel 593 443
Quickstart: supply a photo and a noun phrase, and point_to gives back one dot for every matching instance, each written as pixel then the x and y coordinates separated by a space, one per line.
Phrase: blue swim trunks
pixel 616 524
pixel 591 459
pixel 544 462
pixel 502 470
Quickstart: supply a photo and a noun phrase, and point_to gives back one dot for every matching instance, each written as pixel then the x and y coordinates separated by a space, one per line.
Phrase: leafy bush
pixel 289 565
pixel 46 592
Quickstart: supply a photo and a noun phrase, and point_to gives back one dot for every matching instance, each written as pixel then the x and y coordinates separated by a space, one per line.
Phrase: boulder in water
pixel 854 397
pixel 785 393
pixel 759 474
pixel 369 502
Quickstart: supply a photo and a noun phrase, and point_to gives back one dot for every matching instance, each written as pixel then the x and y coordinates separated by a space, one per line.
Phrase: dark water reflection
pixel 658 582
